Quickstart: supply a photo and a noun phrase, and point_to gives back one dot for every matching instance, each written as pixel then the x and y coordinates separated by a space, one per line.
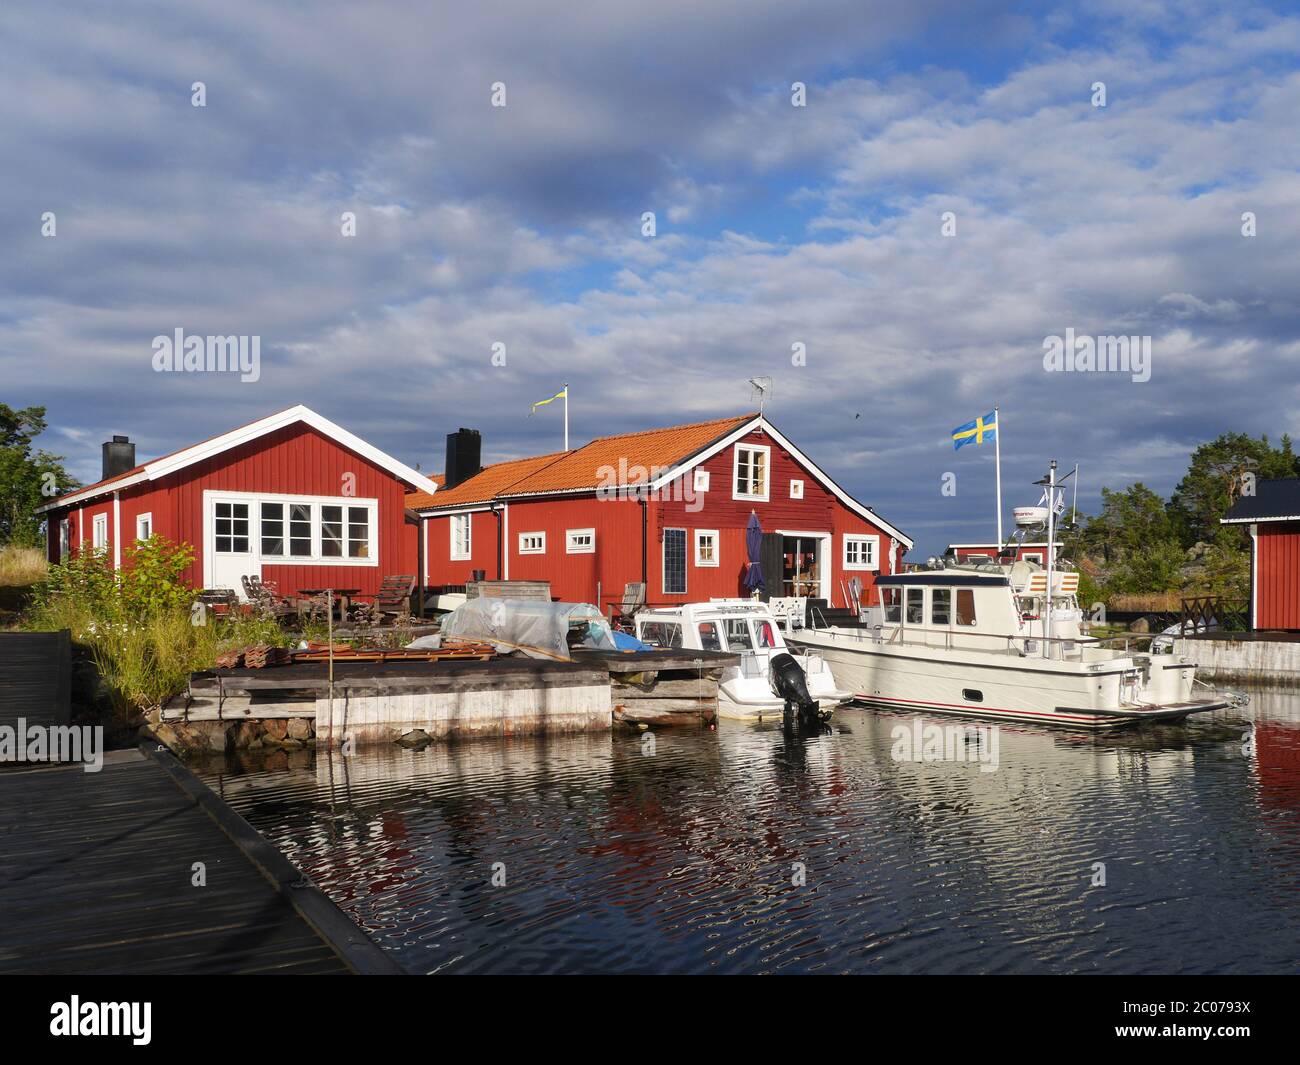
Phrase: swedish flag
pixel 976 432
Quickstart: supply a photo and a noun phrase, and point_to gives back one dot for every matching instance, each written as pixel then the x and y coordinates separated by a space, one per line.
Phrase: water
pixel 687 860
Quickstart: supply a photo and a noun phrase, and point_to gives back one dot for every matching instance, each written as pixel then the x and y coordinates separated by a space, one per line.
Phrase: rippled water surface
pixel 689 859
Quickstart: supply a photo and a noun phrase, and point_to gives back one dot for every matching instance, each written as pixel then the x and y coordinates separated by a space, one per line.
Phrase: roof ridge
pixel 670 428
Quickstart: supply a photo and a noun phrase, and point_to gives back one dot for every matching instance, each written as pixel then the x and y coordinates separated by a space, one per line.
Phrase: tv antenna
pixel 760 388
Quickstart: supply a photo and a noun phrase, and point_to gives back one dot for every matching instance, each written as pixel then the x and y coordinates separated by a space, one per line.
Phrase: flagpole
pixel 566 417
pixel 997 445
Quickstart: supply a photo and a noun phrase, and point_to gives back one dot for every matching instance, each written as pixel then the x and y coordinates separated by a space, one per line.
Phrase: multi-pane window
pixel 706 547
pixel 230 528
pixel 461 543
pixel 580 541
pixel 65 539
pixel 272 529
pixel 751 472
pixel 532 543
pixel 861 552
pixel 99 532
pixel 143 526
pixel 674 561
pixel 331 531
pixel 300 537
pixel 358 532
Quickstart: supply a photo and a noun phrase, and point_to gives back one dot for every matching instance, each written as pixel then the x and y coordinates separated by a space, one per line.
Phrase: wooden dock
pixel 97 877
pixel 676 686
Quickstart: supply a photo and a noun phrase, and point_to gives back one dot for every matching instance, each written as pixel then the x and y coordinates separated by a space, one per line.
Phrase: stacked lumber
pixel 473 652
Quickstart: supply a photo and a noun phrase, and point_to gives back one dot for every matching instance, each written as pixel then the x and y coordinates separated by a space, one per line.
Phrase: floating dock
pixel 98 876
pixel 369 702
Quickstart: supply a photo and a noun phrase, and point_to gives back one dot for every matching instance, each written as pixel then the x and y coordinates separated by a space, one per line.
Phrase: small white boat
pixel 748 628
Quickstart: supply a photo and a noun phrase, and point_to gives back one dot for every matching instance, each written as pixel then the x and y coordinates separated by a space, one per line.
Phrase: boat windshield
pixel 738 634
pixel 709 638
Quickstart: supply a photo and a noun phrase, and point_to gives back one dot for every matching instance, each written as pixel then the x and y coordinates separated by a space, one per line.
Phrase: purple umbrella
pixel 754 545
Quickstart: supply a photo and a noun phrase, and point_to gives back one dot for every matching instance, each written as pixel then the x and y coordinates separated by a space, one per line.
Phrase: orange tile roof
pixel 484 486
pixel 581 469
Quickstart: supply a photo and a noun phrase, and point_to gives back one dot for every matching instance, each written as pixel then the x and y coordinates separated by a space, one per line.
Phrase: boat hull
pixel 984 686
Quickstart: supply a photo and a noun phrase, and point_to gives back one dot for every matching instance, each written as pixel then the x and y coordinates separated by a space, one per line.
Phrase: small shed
pixel 1273 515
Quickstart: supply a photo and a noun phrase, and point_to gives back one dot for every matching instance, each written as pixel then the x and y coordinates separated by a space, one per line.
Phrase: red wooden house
pixel 987 552
pixel 292 498
pixel 1273 515
pixel 665 506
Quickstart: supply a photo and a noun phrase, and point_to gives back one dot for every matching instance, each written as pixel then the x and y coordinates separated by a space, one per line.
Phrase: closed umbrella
pixel 754 546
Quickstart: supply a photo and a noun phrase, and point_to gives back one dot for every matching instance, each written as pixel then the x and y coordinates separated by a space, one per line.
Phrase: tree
pixel 1214 479
pixel 28 477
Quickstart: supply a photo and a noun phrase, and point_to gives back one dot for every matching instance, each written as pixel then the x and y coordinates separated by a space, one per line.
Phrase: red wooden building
pixel 292 498
pixel 665 506
pixel 1273 515
pixel 1032 552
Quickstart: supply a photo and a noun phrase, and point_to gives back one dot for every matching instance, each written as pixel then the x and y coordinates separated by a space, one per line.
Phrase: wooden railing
pixel 1206 612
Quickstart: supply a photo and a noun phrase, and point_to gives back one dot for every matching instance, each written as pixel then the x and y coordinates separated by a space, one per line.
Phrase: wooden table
pixel 344 596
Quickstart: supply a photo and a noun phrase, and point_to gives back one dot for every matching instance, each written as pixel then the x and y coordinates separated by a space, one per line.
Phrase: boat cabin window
pixel 916 606
pixel 709 638
pixel 738 637
pixel 661 633
pixel 764 636
pixel 892 600
pixel 941 606
pixel 965 606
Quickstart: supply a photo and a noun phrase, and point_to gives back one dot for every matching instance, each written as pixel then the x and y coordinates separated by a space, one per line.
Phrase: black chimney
pixel 464 449
pixel 119 456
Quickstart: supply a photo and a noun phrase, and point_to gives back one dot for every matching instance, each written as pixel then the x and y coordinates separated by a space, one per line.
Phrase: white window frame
pixel 99 532
pixel 141 520
pixel 796 489
pixel 315 503
pixel 767 472
pixel 538 549
pixel 701 480
pixel 1033 556
pixel 453 539
pixel 571 549
pixel 65 539
pixel 707 532
pixel 860 538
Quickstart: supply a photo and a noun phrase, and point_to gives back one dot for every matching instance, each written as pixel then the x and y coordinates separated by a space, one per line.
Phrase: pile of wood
pixel 473 652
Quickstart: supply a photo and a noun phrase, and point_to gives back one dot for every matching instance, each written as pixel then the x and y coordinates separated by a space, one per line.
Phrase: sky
pixel 953 192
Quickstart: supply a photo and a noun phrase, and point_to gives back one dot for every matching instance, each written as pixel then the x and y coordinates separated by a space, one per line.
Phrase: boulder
pixel 300 728
pixel 416 738
pixel 276 728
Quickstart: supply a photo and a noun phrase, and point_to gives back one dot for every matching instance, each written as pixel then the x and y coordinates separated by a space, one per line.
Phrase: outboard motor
pixel 789 682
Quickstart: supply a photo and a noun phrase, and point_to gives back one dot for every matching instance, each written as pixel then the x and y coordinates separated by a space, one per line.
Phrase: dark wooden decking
pixel 96 870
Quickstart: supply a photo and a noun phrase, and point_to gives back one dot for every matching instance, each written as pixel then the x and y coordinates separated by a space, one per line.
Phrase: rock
pixel 166 735
pixel 416 738
pixel 299 728
pixel 1140 625
pixel 290 744
pixel 276 728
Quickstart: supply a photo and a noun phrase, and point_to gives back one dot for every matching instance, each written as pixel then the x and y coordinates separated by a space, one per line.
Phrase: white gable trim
pixel 220 444
pixel 759 422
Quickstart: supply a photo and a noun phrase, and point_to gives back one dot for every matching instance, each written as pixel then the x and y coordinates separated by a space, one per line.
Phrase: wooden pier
pixel 97 876
pixel 666 687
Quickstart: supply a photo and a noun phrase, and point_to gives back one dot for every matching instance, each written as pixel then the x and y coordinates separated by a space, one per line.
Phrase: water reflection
pixel 751 850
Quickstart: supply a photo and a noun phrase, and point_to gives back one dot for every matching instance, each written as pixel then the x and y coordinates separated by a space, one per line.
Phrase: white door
pixel 230 545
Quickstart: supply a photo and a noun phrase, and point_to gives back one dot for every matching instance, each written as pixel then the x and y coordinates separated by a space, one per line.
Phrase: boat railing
pixel 1020 645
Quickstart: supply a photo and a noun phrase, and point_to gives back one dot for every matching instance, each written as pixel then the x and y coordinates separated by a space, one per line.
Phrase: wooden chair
pixel 394 595
pixel 633 600
pixel 265 598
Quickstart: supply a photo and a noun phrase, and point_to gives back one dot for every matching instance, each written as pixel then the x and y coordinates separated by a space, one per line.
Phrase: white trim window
pixel 99 532
pixel 144 526
pixel 65 539
pixel 461 535
pixel 1033 556
pixel 579 541
pixel 532 543
pixel 293 530
pixel 796 489
pixel 706 547
pixel 861 552
pixel 701 480
pixel 751 464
